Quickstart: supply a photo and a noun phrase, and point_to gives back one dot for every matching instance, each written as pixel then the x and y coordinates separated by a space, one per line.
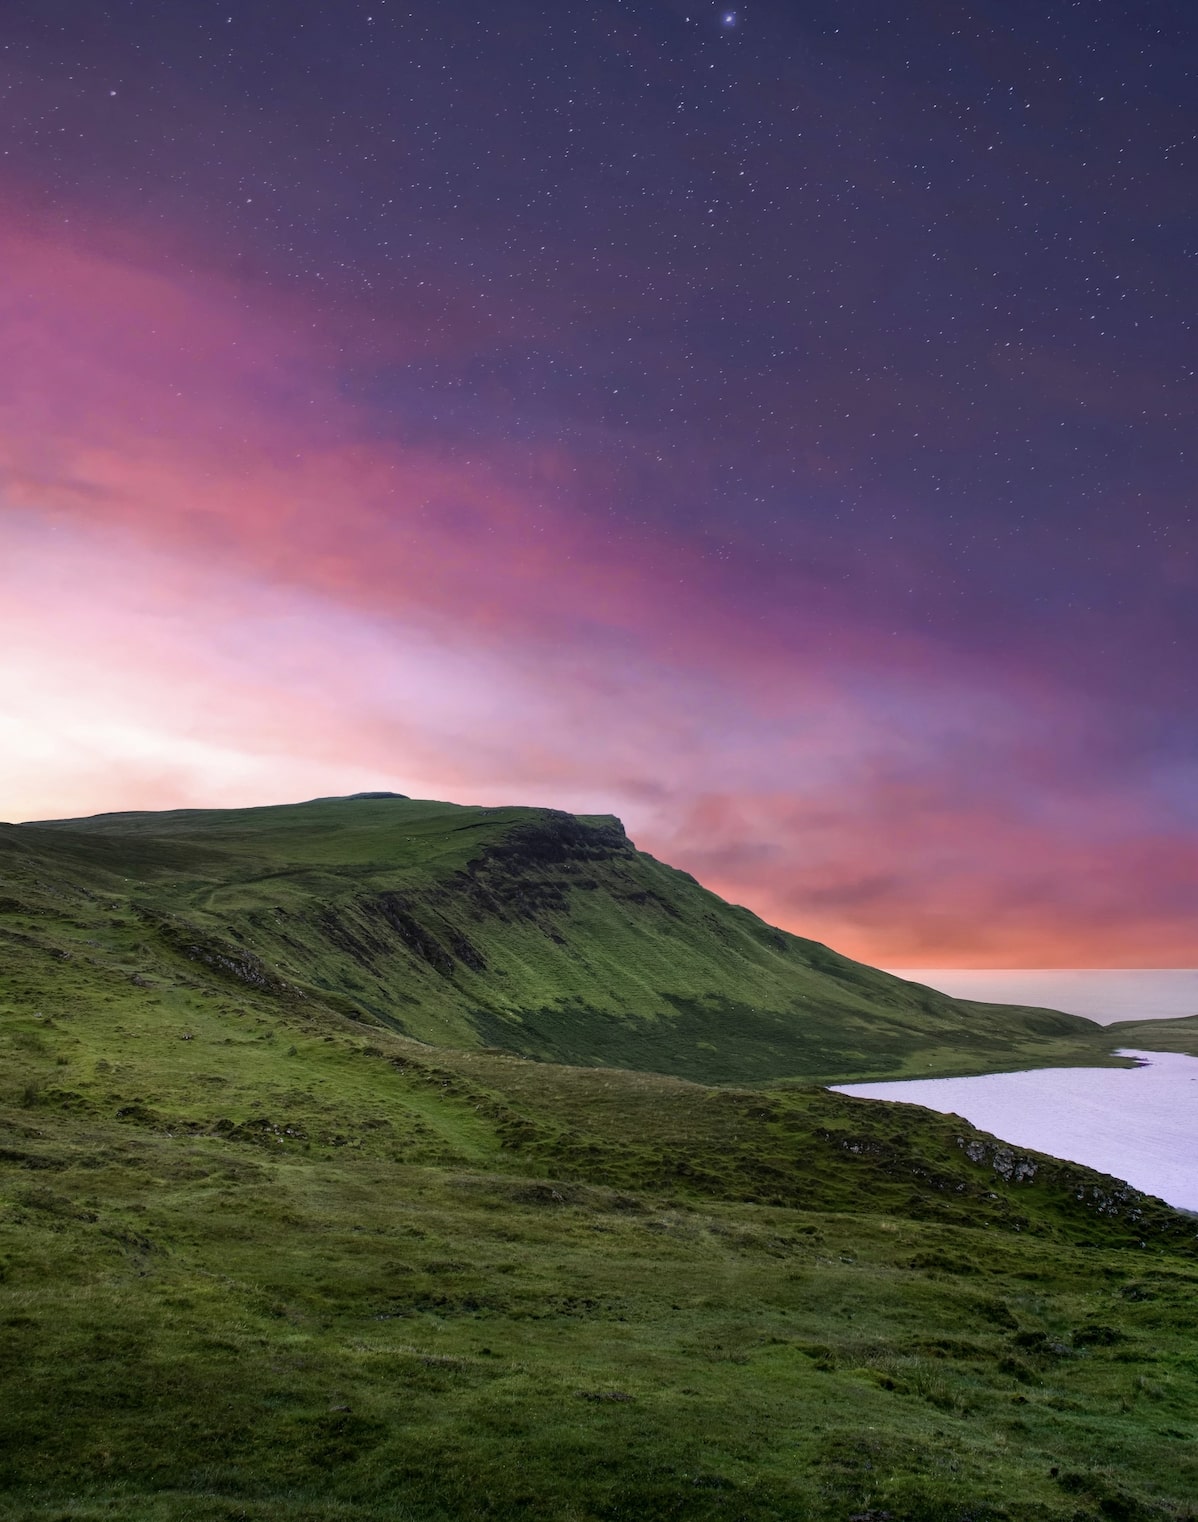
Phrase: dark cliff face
pixel 525 876
pixel 555 840
pixel 528 874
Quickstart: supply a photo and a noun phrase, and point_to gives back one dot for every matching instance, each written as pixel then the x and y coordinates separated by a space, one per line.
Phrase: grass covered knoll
pixel 260 1264
pixel 526 930
pixel 1156 1035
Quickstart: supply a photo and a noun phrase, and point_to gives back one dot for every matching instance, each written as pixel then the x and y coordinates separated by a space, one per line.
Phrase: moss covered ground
pixel 264 1261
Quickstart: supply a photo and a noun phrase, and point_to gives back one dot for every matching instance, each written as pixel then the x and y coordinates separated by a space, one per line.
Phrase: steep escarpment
pixel 542 933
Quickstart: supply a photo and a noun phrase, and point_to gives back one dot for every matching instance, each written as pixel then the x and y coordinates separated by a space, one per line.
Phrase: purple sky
pixel 772 432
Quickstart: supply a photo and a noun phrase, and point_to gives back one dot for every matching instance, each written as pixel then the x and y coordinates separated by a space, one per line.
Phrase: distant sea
pixel 1102 994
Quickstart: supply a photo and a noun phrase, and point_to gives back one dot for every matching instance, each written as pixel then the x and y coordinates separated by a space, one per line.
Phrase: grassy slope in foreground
pixel 260 1265
pixel 520 929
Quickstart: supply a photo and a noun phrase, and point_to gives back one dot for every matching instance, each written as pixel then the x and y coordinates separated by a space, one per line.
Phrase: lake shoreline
pixel 1137 1122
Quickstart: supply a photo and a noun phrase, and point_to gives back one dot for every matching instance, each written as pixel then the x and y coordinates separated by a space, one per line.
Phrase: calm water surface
pixel 1139 1124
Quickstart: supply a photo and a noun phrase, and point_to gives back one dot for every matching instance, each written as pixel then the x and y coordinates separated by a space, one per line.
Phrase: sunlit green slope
pixel 521 929
pixel 260 1264
pixel 264 1258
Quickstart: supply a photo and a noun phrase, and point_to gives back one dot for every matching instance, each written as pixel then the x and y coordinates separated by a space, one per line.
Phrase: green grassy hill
pixel 1179 1035
pixel 262 1260
pixel 521 929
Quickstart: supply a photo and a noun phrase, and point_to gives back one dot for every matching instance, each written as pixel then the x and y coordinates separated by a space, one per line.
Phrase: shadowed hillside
pixel 532 931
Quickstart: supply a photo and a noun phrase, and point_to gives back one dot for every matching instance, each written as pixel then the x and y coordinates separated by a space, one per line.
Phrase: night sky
pixel 769 424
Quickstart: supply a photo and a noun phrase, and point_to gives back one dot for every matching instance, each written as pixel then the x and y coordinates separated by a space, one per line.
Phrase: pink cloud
pixel 904 872
pixel 207 418
pixel 225 588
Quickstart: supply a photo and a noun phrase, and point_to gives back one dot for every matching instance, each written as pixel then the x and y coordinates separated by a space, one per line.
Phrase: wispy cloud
pixel 223 584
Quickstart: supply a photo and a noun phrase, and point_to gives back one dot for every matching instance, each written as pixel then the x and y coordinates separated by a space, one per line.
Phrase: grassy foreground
pixel 267 1267
pixel 263 1262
